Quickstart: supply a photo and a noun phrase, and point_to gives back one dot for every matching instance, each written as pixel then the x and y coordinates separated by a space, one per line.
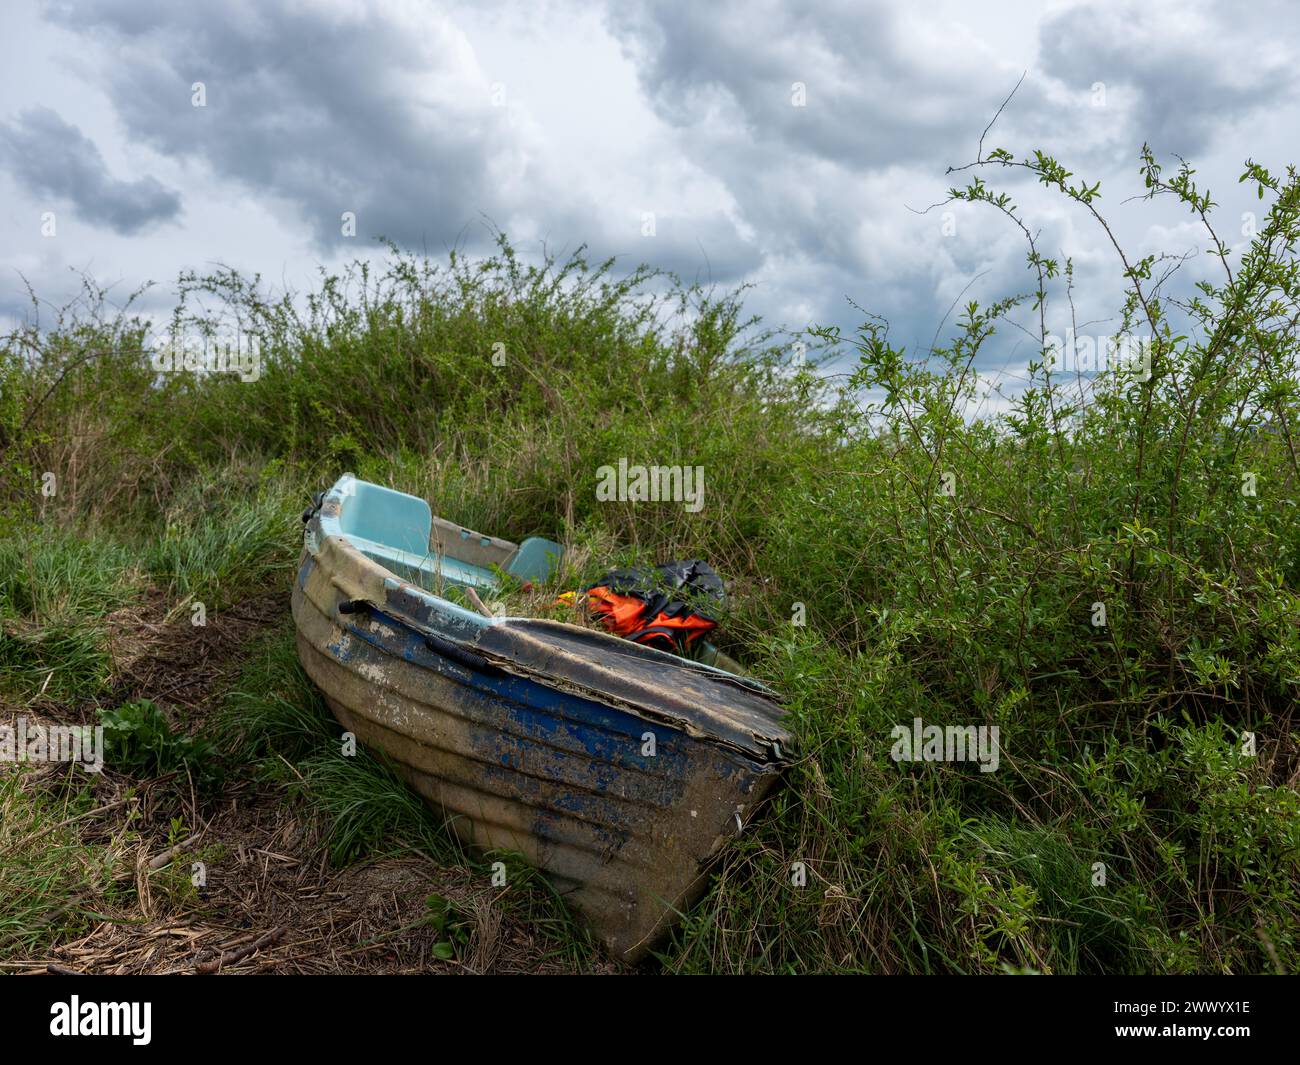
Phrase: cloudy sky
pixel 567 123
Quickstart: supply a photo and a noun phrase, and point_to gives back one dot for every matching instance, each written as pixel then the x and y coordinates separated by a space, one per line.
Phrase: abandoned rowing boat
pixel 617 769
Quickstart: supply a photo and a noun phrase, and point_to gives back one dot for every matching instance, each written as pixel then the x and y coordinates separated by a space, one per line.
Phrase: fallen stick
pixel 230 958
pixel 472 596
pixel 13 847
pixel 165 858
pixel 62 970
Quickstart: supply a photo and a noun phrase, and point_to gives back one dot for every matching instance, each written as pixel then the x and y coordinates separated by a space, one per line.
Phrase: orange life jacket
pixel 626 616
pixel 663 608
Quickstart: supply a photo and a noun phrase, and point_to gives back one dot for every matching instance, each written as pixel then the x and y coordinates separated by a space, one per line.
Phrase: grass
pixel 52 883
pixel 56 587
pixel 890 558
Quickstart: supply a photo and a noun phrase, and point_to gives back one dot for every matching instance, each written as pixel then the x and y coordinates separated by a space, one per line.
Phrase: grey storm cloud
pixel 52 157
pixel 873 97
pixel 1189 74
pixel 330 111
pixel 876 106
pixel 361 111
pixel 889 92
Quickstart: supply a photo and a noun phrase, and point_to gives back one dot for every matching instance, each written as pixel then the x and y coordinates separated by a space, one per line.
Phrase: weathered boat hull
pixel 542 739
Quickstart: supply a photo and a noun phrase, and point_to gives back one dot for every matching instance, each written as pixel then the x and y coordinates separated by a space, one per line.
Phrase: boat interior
pixel 401 533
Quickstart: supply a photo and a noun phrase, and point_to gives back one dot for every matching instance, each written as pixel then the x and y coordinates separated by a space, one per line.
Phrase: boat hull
pixel 623 812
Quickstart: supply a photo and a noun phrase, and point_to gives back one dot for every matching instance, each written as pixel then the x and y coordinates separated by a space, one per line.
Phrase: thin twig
pixel 230 958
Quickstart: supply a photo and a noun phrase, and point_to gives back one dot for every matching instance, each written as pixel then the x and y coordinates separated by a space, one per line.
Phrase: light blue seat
pixel 386 517
pixel 535 560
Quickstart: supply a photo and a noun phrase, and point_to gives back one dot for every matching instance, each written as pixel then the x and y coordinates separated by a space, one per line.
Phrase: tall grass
pixel 56 586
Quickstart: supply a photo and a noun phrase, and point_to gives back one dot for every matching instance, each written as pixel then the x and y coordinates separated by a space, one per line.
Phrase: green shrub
pixel 139 741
